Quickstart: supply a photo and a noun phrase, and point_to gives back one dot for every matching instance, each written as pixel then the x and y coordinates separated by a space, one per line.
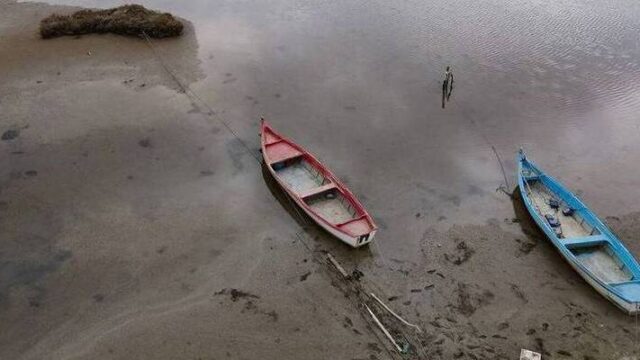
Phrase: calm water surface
pixel 561 79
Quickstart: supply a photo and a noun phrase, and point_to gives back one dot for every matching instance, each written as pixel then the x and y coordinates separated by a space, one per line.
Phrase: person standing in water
pixel 447 85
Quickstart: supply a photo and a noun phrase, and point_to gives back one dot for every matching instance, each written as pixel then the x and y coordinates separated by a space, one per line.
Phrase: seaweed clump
pixel 131 20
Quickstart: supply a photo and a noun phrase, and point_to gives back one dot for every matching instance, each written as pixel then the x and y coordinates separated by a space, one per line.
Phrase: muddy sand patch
pixel 504 286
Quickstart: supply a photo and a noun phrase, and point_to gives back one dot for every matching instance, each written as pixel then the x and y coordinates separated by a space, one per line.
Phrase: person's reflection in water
pixel 449 75
pixel 444 91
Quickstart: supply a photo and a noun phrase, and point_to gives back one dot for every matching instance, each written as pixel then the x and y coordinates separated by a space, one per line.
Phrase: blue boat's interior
pixel 580 235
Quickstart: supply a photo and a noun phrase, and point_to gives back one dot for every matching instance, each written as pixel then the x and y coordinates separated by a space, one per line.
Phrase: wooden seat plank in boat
pixel 629 288
pixel 349 221
pixel 317 190
pixel 584 241
pixel 281 151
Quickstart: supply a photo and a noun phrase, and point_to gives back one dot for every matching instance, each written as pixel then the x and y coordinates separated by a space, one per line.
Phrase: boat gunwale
pixel 325 172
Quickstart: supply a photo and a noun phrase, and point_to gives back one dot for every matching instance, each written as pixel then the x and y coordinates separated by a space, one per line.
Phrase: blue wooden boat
pixel 582 239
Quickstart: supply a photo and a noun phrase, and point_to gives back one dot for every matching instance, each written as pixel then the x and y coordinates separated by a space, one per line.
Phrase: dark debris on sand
pixel 130 20
pixel 10 135
pixel 236 294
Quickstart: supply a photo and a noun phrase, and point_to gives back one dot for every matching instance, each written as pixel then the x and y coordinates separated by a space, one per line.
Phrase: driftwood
pixel 394 314
pixel 384 330
pixel 529 355
pixel 337 265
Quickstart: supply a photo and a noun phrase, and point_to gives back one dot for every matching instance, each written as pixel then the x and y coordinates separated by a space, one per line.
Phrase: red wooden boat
pixel 315 189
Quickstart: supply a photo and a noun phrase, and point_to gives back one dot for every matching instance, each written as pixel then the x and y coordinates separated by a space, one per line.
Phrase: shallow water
pixel 560 79
pixel 358 84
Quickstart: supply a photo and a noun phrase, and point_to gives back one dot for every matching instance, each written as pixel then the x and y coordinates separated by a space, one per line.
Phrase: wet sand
pixel 133 224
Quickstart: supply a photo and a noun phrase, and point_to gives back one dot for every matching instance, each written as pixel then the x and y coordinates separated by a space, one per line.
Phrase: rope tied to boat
pixel 503 187
pixel 193 96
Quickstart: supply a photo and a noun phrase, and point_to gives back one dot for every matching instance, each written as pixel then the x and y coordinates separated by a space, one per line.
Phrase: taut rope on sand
pixel 194 96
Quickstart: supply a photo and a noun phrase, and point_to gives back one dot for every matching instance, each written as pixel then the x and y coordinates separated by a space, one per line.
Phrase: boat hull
pixel 605 238
pixel 315 190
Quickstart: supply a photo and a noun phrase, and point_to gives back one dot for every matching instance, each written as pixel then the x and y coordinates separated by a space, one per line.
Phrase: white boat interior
pixel 576 233
pixel 300 176
pixel 572 226
pixel 316 190
pixel 332 206
pixel 603 263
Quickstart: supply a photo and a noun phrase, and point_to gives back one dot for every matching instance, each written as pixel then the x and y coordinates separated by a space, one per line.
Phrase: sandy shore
pixel 133 225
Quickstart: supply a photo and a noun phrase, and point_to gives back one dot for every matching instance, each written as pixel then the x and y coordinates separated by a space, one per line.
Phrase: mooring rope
pixel 493 148
pixel 504 174
pixel 194 96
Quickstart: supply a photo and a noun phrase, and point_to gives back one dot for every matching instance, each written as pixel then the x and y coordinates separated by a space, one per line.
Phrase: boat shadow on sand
pixel 528 225
pixel 316 237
